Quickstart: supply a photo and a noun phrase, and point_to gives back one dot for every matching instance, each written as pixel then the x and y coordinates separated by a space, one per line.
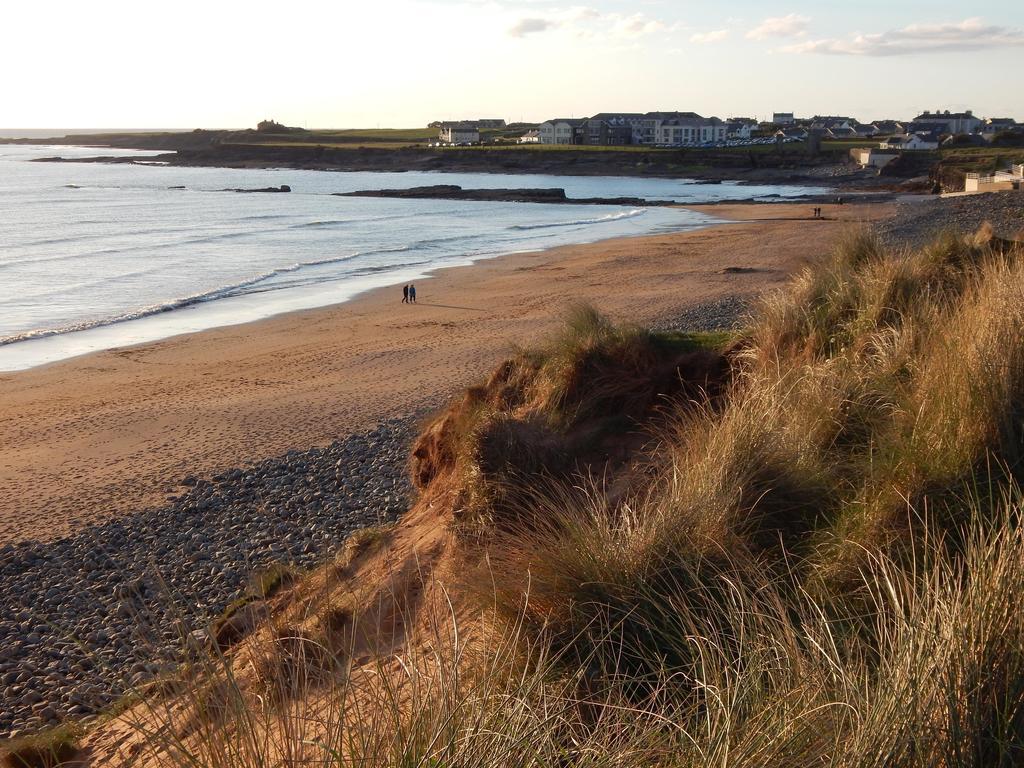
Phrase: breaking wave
pixel 223 292
pixel 583 222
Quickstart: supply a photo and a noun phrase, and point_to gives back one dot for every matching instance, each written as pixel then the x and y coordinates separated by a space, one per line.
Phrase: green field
pixel 981 159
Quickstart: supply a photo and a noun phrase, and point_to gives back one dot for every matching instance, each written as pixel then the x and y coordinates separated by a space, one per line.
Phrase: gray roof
pixel 945 116
pixel 674 116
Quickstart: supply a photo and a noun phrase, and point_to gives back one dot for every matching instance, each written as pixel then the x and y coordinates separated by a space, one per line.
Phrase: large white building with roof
pixel 562 130
pixel 949 122
pixel 647 129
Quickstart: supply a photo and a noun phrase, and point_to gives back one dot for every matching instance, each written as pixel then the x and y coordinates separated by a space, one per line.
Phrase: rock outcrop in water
pixel 282 188
pixel 455 192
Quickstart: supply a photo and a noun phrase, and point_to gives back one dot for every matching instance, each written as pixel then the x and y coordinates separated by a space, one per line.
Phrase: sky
pixel 403 63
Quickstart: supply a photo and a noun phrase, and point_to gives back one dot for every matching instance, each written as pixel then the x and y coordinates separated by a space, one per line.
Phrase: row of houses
pixel 689 128
pixel 926 137
pixel 692 129
pixel 892 147
pixel 938 123
pixel 626 128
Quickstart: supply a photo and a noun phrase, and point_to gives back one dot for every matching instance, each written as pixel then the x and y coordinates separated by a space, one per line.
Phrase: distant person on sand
pixel 405 294
pixel 412 294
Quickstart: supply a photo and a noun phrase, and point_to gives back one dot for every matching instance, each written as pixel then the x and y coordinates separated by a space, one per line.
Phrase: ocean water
pixel 94 256
pixel 60 133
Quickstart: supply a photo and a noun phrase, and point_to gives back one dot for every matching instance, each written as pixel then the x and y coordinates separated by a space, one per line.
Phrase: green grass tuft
pixel 47 749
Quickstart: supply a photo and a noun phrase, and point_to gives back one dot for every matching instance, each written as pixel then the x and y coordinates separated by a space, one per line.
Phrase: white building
pixel 740 128
pixel 1000 181
pixel 950 122
pixel 868 157
pixel 1001 124
pixel 994 126
pixel 561 131
pixel 530 137
pixel 796 132
pixel 685 130
pixel 652 128
pixel 783 118
pixel 459 134
pixel 838 125
pixel 914 142
pixel 888 127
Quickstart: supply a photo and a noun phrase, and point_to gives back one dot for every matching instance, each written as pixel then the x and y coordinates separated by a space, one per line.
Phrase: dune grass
pixel 48 749
pixel 873 411
pixel 801 546
pixel 740 667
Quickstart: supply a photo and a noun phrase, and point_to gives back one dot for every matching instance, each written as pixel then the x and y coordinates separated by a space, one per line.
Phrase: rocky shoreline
pixel 831 171
pixel 917 222
pixel 89 617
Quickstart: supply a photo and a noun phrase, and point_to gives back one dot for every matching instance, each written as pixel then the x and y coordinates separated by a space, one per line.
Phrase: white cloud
pixel 636 25
pixel 967 35
pixel 715 36
pixel 525 27
pixel 588 22
pixel 791 25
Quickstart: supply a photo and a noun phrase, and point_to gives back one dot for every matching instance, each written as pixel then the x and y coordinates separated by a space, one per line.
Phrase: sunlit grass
pixel 794 545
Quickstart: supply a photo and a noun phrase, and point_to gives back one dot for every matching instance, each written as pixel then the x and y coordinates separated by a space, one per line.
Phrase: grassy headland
pixel 795 545
pixel 396 150
pixel 407 149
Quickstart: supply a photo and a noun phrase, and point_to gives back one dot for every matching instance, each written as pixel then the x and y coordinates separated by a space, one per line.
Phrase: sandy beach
pixel 114 432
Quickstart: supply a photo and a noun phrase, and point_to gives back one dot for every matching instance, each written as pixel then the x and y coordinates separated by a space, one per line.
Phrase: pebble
pixel 724 314
pixel 918 222
pixel 85 618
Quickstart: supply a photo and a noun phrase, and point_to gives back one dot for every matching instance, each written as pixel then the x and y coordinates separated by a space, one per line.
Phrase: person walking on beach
pixel 412 294
pixel 405 294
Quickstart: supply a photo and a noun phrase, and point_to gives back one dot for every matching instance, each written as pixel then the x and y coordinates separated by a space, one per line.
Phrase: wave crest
pixel 583 222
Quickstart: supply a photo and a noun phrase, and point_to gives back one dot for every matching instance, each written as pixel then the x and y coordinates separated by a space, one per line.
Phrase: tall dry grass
pixel 815 564
pixel 741 668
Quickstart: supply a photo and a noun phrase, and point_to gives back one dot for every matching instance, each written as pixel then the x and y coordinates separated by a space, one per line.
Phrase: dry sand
pixel 111 432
